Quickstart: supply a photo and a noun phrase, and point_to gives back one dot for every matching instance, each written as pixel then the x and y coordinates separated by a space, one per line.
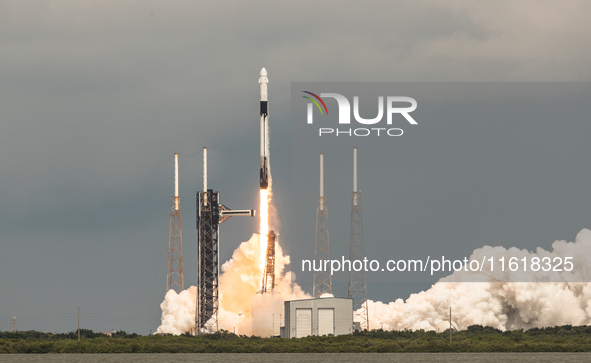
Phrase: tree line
pixel 475 338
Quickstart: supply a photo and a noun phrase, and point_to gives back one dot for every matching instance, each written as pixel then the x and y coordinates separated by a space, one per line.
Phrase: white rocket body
pixel 264 173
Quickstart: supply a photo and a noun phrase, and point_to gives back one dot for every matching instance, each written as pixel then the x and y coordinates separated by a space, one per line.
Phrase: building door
pixel 303 322
pixel 325 321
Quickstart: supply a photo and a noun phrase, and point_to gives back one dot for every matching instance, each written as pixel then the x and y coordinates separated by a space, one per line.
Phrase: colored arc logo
pixel 313 100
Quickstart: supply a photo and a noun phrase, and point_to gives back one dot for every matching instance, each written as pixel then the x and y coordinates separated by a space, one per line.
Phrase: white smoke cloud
pixel 178 312
pixel 555 298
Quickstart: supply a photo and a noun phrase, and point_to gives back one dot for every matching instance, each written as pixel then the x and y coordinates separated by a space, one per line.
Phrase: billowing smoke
pixel 242 310
pixel 556 298
pixel 178 312
pixel 239 285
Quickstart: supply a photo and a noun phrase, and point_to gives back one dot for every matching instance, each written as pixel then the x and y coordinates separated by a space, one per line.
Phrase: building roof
pixel 318 298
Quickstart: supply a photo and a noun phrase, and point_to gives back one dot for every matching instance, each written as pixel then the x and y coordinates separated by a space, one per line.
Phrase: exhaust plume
pixel 242 310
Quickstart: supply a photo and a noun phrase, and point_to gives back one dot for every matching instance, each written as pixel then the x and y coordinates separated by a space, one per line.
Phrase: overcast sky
pixel 96 96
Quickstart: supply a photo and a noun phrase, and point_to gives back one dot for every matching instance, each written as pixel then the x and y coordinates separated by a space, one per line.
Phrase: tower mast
pixel 322 280
pixel 269 272
pixel 210 213
pixel 357 283
pixel 174 279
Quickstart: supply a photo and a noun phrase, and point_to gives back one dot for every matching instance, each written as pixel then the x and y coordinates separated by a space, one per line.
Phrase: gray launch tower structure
pixel 269 272
pixel 210 213
pixel 322 279
pixel 357 282
pixel 174 277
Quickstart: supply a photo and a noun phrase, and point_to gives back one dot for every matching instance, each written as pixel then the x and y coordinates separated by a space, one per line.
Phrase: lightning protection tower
pixel 13 324
pixel 322 280
pixel 357 285
pixel 269 272
pixel 174 279
pixel 210 213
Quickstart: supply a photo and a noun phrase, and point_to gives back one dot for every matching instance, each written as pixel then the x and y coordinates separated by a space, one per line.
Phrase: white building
pixel 324 316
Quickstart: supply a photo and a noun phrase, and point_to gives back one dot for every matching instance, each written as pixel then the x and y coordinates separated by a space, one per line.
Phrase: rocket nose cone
pixel 263 72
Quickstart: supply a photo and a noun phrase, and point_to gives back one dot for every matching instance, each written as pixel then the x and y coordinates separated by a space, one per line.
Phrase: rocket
pixel 264 179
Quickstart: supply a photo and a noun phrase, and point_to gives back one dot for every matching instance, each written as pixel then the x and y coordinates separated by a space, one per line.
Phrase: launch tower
pixel 322 280
pixel 174 279
pixel 357 285
pixel 210 213
pixel 269 272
